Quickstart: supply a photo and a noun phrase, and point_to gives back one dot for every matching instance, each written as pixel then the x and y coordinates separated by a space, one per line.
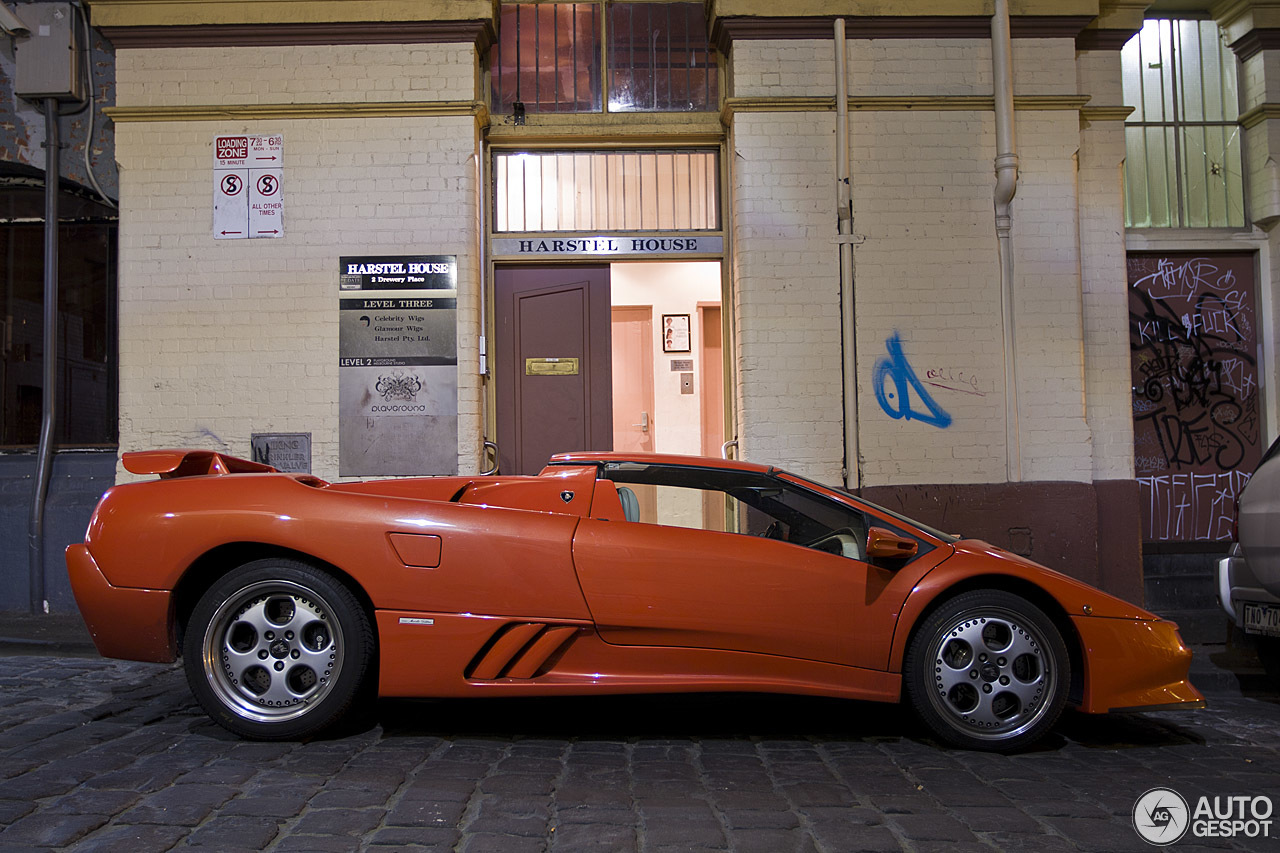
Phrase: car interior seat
pixel 630 503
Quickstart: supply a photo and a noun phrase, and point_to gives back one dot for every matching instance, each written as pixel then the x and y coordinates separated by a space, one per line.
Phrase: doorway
pixel 553 363
pixel 631 388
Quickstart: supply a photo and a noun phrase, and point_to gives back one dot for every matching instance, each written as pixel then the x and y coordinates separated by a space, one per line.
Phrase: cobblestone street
pixel 105 755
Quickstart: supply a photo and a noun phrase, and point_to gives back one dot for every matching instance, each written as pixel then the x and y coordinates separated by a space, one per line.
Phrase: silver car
pixel 1249 577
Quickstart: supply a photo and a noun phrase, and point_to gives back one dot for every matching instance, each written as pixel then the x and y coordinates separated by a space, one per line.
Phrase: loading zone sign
pixel 247 198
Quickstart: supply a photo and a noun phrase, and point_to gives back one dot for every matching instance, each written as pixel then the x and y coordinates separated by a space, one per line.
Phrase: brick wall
pixel 1103 277
pixel 156 77
pixel 786 289
pixel 223 338
pixel 927 270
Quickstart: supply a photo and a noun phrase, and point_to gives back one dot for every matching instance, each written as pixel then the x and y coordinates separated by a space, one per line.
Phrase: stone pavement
pixel 107 755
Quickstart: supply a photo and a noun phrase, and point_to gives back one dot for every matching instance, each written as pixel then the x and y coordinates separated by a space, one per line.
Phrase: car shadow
pixel 733 716
pixel 1125 731
pixel 649 716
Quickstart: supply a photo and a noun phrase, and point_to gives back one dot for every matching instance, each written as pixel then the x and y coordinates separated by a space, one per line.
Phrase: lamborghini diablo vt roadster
pixel 292 600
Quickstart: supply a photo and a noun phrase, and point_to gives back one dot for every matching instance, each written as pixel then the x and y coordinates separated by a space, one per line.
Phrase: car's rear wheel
pixel 988 670
pixel 278 650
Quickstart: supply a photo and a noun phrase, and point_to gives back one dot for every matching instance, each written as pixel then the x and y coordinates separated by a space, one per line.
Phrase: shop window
pixel 1182 164
pixel 656 190
pixel 87 383
pixel 564 57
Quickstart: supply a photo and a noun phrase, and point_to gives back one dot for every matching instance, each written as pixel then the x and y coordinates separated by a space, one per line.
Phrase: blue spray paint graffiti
pixel 897 402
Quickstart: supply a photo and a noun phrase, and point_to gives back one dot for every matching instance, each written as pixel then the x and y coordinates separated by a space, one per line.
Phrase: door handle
pixel 644 422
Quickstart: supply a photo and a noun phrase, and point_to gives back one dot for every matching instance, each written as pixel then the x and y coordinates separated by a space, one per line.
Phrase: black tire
pixel 988 670
pixel 278 650
pixel 1269 656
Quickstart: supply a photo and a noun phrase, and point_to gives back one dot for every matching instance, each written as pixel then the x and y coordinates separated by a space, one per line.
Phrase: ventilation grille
pixel 520 650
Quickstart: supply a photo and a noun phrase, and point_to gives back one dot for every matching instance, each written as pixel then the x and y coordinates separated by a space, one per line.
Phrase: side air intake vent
pixel 519 650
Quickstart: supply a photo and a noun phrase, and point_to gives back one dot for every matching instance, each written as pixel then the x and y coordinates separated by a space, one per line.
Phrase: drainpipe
pixel 44 459
pixel 1006 186
pixel 844 218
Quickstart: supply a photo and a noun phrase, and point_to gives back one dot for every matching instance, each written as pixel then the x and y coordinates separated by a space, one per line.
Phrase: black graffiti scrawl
pixel 1194 338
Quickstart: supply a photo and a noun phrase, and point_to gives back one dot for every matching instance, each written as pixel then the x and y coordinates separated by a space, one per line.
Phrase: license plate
pixel 1262 619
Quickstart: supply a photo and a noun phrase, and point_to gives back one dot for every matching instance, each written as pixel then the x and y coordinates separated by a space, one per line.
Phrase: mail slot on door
pixel 550 367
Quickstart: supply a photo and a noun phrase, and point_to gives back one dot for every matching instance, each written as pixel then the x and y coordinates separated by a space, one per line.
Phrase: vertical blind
pixel 606 191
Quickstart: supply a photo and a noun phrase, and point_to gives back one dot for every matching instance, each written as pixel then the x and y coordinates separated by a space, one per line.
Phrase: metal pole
pixel 44 459
pixel 844 228
pixel 1006 187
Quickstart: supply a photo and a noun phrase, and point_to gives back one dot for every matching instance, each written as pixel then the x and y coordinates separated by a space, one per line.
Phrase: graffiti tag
pixel 1193 341
pixel 896 400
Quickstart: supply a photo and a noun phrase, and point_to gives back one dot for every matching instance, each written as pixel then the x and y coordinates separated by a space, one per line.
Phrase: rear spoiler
pixel 190 463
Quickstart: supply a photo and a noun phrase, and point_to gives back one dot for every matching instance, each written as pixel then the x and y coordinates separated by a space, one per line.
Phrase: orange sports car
pixel 292 599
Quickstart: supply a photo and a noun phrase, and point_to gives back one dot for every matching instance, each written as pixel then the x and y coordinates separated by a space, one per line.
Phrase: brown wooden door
pixel 545 318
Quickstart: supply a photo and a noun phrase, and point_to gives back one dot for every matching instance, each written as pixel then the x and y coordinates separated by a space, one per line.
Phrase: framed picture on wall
pixel 675 332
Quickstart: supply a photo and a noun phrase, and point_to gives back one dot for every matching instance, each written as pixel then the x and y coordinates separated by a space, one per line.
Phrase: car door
pixel 668 582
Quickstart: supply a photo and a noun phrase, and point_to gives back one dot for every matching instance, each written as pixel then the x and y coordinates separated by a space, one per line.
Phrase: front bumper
pixel 126 623
pixel 1134 664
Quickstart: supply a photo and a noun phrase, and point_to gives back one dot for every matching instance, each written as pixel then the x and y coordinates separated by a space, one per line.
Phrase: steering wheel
pixel 773 531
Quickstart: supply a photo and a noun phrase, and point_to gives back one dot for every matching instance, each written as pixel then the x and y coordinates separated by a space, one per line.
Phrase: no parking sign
pixel 247 198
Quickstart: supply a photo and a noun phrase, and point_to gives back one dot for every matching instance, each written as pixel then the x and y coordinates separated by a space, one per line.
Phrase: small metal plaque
pixel 681 365
pixel 550 367
pixel 289 452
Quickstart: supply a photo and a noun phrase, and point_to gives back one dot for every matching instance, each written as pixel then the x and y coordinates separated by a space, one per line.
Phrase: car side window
pixel 744 503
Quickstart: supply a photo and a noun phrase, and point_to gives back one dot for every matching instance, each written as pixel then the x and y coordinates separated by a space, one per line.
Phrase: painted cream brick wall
pixel 1047 300
pixel 1260 83
pixel 928 271
pixel 295 74
pixel 786 279
pixel 223 338
pixel 902 67
pixel 1108 386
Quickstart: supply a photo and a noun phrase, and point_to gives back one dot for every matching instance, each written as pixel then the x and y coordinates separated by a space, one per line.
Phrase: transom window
pixel 1182 163
pixel 564 57
pixel 654 190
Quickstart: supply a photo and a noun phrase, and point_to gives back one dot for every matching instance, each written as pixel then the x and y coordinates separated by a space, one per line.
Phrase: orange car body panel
pixel 537 585
pixel 134 624
pixel 1131 657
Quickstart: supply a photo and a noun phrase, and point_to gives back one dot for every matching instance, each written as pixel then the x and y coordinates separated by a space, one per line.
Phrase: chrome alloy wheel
pixel 272 650
pixel 992 677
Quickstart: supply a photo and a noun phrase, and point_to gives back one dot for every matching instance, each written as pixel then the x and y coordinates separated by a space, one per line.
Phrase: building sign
pixel 399 272
pixel 289 452
pixel 607 246
pixel 1193 338
pixel 397 386
pixel 247 197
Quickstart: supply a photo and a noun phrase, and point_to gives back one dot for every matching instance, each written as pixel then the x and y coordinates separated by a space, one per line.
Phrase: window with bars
pixel 564 57
pixel 1182 161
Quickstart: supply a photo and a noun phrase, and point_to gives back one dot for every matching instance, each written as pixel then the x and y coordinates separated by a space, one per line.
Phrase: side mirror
pixel 885 545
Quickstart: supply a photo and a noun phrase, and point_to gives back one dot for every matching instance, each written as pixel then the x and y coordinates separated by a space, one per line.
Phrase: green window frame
pixel 1183 140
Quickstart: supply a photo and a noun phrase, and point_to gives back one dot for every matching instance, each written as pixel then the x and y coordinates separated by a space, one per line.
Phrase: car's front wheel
pixel 988 670
pixel 278 650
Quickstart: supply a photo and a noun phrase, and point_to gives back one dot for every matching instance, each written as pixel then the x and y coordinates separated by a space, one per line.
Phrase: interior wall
pixel 672 287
